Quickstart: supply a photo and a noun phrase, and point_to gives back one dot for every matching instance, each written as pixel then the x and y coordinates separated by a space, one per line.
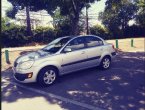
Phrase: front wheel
pixel 47 76
pixel 105 63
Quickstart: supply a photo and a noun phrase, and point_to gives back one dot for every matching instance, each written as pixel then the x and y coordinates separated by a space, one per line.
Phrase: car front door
pixel 75 59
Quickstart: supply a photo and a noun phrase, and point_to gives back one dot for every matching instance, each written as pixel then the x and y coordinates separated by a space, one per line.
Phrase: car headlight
pixel 26 64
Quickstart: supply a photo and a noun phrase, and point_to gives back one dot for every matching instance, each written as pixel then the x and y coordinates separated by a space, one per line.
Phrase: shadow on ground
pixel 119 88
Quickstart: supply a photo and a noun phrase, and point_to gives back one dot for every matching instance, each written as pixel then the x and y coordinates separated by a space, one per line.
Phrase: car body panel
pixel 73 60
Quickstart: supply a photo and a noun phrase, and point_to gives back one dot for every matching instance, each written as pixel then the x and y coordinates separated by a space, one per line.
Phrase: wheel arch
pixel 47 66
pixel 109 56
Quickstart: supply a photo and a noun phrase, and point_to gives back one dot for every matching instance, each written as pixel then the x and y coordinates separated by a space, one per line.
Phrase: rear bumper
pixel 113 53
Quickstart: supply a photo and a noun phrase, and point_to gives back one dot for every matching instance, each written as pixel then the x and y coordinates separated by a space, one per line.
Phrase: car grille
pixel 20 77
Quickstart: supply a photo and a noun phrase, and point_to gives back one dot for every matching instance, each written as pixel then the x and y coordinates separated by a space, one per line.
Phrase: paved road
pixel 119 88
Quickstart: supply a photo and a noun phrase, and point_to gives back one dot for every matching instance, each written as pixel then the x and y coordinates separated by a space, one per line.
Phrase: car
pixel 62 56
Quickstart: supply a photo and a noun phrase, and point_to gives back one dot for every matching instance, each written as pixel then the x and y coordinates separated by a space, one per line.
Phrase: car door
pixel 94 50
pixel 74 60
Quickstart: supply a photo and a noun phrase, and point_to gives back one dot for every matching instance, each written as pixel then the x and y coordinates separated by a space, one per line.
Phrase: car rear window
pixel 93 41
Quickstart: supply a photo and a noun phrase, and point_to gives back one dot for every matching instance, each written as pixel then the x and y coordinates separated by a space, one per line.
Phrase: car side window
pixel 93 41
pixel 76 44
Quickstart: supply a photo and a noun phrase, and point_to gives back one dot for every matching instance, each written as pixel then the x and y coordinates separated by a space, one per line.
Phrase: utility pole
pixel 87 24
pixel 29 32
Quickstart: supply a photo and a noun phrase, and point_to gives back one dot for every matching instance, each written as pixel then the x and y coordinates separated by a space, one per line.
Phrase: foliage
pixel 17 36
pixel 141 14
pixel 14 35
pixel 134 31
pixel 44 34
pixel 70 8
pixel 5 25
pixel 68 20
pixel 117 14
pixel 61 23
pixel 11 12
pixel 99 31
pixel 63 29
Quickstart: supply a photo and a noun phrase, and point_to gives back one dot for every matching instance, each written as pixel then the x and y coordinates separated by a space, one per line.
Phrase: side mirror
pixel 67 50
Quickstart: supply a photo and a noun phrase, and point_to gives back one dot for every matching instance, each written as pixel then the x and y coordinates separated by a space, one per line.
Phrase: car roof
pixel 67 37
pixel 72 36
pixel 76 36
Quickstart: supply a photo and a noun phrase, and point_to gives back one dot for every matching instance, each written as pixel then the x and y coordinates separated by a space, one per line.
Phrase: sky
pixel 92 11
pixel 97 7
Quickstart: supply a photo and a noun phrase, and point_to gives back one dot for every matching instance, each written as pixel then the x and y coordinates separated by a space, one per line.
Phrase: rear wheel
pixel 47 76
pixel 105 63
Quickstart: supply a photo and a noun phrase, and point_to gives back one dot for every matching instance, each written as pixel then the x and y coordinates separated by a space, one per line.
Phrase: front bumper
pixel 24 75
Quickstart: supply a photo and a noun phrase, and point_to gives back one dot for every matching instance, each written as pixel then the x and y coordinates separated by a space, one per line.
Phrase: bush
pixel 14 36
pixel 63 28
pixel 44 34
pixel 99 30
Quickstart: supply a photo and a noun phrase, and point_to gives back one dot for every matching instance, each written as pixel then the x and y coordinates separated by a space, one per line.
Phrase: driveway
pixel 119 88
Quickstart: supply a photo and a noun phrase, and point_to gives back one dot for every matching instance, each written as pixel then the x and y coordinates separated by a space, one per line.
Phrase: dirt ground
pixel 124 45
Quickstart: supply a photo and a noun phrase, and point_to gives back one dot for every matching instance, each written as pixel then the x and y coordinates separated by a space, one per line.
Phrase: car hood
pixel 32 56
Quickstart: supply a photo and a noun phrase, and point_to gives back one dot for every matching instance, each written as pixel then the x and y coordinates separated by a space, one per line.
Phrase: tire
pixel 105 63
pixel 47 76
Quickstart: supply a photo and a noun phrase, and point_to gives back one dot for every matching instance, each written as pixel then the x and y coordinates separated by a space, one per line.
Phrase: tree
pixel 141 14
pixel 117 14
pixel 44 34
pixel 99 31
pixel 12 33
pixel 12 12
pixel 87 24
pixel 5 25
pixel 58 19
pixel 71 8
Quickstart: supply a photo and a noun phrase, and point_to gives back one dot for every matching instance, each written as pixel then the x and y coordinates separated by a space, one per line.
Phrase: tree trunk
pixel 74 18
pixel 74 25
pixel 29 32
pixel 87 24
pixel 124 24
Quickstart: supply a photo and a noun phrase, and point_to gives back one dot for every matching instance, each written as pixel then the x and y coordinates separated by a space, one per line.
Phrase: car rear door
pixel 74 60
pixel 94 50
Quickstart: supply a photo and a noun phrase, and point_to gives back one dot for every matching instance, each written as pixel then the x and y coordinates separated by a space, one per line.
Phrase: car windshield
pixel 56 45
